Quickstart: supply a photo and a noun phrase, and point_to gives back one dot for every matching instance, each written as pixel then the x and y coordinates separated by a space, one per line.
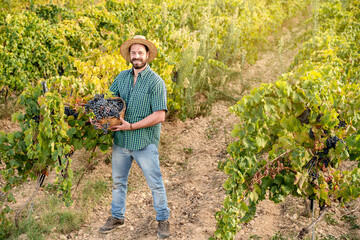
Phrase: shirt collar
pixel 147 69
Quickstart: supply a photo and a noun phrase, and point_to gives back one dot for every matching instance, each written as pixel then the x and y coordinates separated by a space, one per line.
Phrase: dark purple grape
pixel 304 117
pixel 341 124
pixel 311 134
pixel 331 142
pixel 70 112
pixel 104 108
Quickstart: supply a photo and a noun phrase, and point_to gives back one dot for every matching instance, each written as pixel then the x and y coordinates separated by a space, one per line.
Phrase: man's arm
pixel 149 121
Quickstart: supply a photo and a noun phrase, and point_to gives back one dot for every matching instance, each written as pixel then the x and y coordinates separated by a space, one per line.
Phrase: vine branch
pixel 270 162
pixel 38 185
pixel 305 230
pixel 352 211
pixel 257 172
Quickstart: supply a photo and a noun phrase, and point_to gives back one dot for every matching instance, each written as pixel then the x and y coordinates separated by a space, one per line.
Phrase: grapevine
pixel 294 134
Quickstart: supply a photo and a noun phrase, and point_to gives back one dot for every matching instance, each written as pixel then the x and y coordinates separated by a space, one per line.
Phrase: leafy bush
pixel 293 135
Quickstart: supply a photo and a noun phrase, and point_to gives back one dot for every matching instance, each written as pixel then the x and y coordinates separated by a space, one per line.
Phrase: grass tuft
pixel 51 217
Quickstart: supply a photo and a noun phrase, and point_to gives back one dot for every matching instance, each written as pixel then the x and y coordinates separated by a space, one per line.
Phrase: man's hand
pixel 125 126
pixel 151 120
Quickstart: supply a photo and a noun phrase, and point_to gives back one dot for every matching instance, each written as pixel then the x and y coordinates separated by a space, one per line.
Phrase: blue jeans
pixel 148 160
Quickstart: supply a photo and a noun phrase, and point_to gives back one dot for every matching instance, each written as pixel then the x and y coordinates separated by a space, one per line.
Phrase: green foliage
pixel 351 219
pixel 94 191
pixel 284 127
pixel 342 237
pixel 65 221
pixel 51 217
pixel 224 36
pixel 213 128
pixel 200 46
pixel 329 219
pixel 30 50
pixel 198 43
pixel 31 228
pixel 54 13
pixel 13 5
pixel 48 136
pixel 278 236
pixel 328 237
pixel 255 237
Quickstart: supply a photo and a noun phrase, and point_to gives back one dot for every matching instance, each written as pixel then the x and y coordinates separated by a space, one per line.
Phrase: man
pixel 138 136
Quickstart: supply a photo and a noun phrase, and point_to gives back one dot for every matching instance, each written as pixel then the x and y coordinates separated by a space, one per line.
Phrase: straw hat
pixel 125 47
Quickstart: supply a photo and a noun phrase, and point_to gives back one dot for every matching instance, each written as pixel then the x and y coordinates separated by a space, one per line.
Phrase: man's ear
pixel 147 55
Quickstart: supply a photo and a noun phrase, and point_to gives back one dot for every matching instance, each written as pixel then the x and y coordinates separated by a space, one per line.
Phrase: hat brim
pixel 125 48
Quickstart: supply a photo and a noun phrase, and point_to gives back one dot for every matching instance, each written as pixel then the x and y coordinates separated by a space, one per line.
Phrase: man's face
pixel 138 56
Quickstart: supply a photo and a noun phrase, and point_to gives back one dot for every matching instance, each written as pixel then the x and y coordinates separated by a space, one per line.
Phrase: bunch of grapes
pixel 104 108
pixel 321 157
pixel 70 112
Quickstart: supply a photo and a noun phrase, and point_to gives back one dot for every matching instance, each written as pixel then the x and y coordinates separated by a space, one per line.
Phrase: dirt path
pixel 190 152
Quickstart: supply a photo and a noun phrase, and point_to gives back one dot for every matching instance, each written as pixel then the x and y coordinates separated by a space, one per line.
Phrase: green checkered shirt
pixel 147 96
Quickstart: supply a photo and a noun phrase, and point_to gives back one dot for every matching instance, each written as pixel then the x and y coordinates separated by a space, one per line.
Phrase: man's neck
pixel 137 71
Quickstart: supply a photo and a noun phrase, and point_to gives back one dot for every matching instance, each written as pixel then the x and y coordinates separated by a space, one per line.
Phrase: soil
pixel 190 152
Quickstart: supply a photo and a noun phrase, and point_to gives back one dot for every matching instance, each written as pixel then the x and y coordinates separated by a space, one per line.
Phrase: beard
pixel 140 63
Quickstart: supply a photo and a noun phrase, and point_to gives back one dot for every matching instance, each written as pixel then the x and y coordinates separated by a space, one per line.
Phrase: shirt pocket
pixel 140 104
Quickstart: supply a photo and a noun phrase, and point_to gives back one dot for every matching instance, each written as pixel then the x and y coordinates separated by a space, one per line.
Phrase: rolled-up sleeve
pixel 158 97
